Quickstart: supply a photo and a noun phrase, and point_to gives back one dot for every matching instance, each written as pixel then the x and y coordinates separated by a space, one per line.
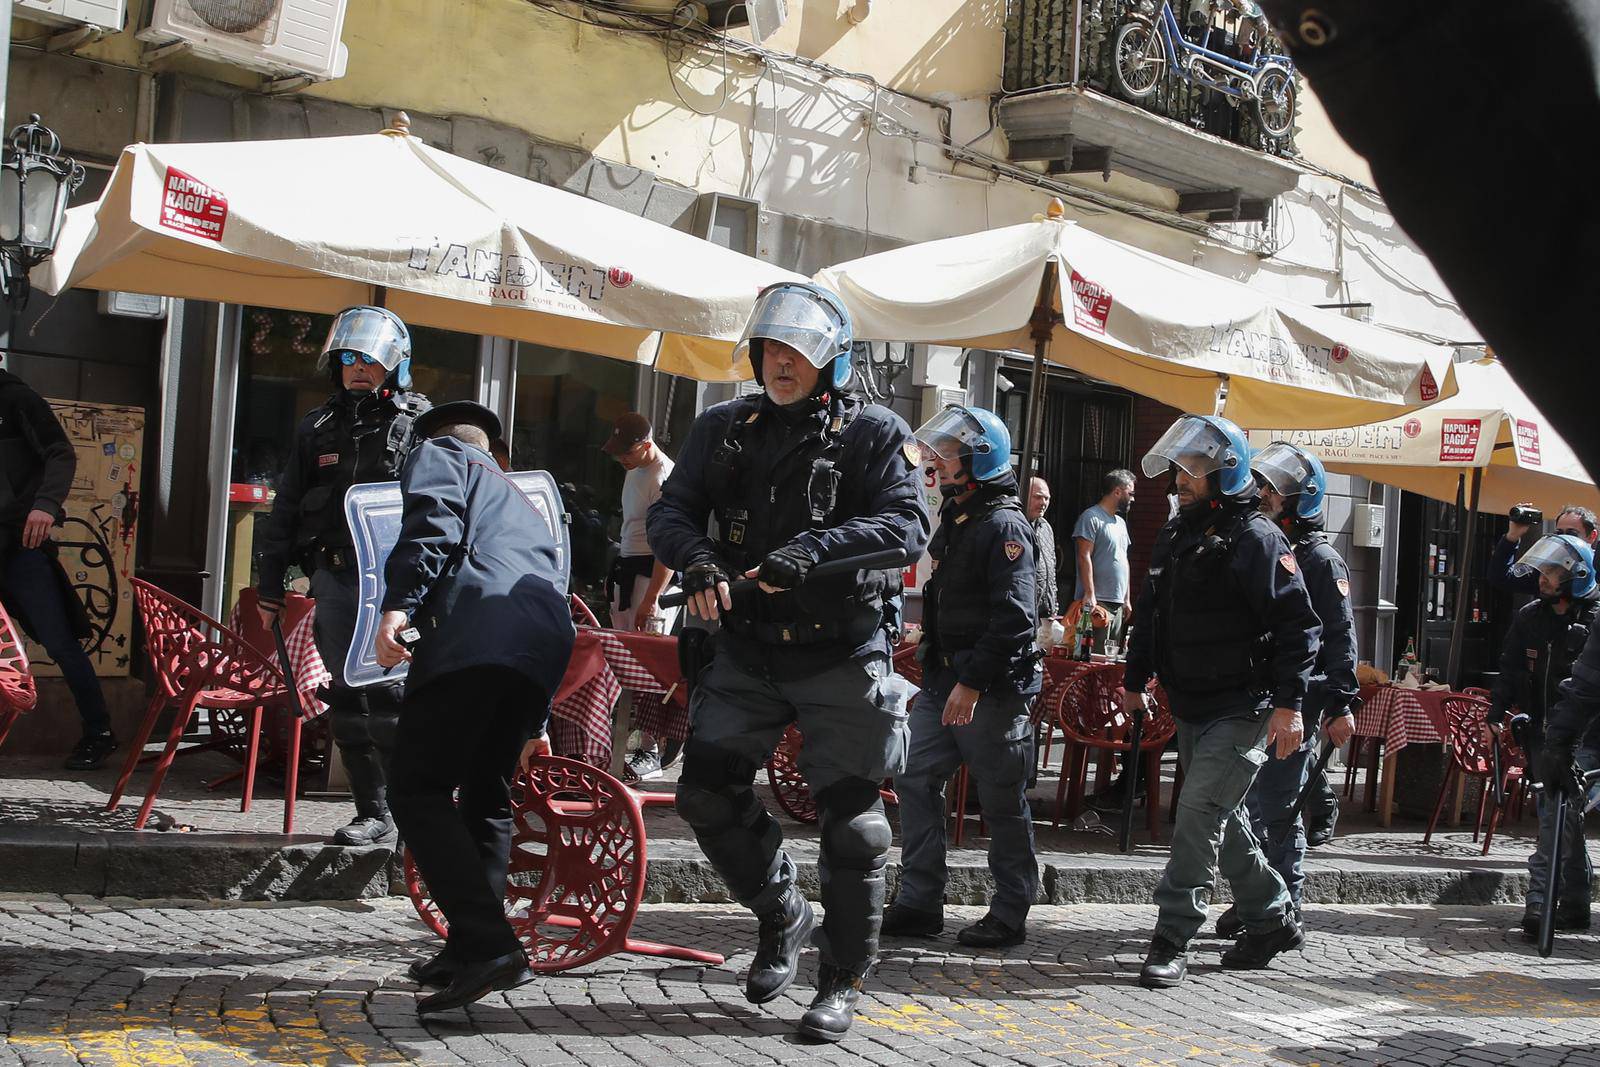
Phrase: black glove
pixel 1557 771
pixel 704 574
pixel 786 567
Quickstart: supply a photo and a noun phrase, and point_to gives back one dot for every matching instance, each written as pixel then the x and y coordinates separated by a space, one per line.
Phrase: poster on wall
pixel 96 538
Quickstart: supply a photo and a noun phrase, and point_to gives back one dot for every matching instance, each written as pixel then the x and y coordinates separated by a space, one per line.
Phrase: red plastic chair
pixel 1090 713
pixel 198 662
pixel 17 691
pixel 789 787
pixel 578 866
pixel 1464 717
pixel 314 738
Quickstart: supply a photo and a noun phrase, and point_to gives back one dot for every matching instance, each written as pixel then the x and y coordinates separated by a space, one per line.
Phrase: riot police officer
pixel 804 473
pixel 1294 490
pixel 361 433
pixel 980 673
pixel 1540 648
pixel 1225 623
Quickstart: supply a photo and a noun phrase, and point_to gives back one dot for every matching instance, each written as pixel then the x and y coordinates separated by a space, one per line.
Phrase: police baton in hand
pixel 1135 737
pixel 1552 883
pixel 889 558
pixel 284 664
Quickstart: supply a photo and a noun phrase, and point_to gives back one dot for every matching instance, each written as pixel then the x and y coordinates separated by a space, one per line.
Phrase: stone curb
pixel 274 867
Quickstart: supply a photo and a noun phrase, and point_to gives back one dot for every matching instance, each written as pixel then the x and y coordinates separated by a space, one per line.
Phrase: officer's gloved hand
pixel 785 568
pixel 706 583
pixel 1558 773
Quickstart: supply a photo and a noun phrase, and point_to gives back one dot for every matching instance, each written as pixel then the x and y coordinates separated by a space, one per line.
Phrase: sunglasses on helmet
pixel 348 359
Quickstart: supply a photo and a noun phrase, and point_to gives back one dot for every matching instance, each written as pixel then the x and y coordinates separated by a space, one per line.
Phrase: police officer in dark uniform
pixel 1225 623
pixel 1539 651
pixel 360 434
pixel 803 474
pixel 980 674
pixel 1294 490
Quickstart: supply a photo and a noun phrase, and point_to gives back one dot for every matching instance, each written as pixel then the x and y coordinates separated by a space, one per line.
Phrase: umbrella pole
pixel 1458 627
pixel 1043 323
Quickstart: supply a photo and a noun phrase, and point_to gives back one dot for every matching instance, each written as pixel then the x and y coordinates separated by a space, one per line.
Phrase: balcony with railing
pixel 1192 95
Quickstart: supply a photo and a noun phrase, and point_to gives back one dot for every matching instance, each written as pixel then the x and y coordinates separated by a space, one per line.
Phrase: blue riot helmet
pixel 371 335
pixel 1568 558
pixel 974 436
pixel 1295 475
pixel 1203 445
pixel 807 318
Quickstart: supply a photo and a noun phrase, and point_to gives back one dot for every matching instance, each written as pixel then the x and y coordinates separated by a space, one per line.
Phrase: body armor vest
pixel 955 600
pixel 1207 638
pixel 354 439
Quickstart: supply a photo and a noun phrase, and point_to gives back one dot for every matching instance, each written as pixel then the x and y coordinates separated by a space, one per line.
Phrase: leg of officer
pixel 854 719
pixel 933 757
pixel 442 747
pixel 33 588
pixel 360 719
pixel 997 746
pixel 736 721
pixel 1269 804
pixel 1220 760
pixel 1322 810
pixel 1572 909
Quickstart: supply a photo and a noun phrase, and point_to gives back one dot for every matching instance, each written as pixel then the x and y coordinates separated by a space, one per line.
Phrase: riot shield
pixel 374 512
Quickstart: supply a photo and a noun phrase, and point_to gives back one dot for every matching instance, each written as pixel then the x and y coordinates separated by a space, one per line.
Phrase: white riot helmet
pixel 372 335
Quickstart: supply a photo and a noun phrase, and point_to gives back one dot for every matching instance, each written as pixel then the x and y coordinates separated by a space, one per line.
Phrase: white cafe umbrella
pixel 319 224
pixel 1488 433
pixel 1194 340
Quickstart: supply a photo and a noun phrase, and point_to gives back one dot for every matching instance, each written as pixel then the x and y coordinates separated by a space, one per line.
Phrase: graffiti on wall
pixel 97 536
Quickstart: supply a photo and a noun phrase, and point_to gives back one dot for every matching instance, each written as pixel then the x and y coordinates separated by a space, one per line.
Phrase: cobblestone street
pixel 112 983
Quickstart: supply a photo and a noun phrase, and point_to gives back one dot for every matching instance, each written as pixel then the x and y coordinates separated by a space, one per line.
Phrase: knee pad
pixel 714 790
pixel 855 831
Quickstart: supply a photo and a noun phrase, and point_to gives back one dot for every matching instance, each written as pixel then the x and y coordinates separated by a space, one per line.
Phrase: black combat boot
pixel 1165 966
pixel 1254 951
pixel 785 930
pixel 992 932
pixel 365 830
pixel 901 921
pixel 834 1009
pixel 1229 925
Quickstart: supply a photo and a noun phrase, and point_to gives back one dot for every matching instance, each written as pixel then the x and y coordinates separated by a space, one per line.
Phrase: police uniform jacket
pixel 1224 619
pixel 476 569
pixel 352 438
pixel 836 478
pixel 979 609
pixel 1577 712
pixel 36 459
pixel 1537 655
pixel 1333 681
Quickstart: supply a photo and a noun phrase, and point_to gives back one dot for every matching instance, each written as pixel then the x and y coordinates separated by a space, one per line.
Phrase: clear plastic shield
pixel 373 511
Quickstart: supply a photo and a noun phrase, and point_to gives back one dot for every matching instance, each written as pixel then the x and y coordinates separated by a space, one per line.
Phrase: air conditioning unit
pixel 280 37
pixel 109 15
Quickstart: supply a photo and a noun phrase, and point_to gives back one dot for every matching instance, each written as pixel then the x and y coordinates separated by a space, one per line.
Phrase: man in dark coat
pixel 475 572
pixel 37 463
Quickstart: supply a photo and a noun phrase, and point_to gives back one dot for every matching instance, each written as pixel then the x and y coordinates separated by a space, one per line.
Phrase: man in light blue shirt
pixel 1101 540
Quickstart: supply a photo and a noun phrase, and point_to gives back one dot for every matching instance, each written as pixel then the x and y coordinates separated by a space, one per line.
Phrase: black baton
pixel 1306 790
pixel 872 561
pixel 285 665
pixel 1552 883
pixel 1135 736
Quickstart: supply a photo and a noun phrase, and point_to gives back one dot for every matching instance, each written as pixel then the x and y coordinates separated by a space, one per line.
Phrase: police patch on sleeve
pixel 1013 550
pixel 1287 560
pixel 1344 586
pixel 913 453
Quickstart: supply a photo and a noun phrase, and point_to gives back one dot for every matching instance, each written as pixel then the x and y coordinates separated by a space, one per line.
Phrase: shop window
pixel 279 383
pixel 564 405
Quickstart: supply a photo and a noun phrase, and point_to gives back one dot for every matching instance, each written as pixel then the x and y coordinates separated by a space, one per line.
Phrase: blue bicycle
pixel 1145 48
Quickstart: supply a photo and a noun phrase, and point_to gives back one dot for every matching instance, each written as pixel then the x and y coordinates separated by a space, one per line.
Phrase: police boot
pixel 784 932
pixel 1229 925
pixel 1254 951
pixel 902 921
pixel 834 1008
pixel 1165 965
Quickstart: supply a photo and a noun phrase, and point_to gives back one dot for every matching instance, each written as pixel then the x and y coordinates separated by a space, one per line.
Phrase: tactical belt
pixel 331 557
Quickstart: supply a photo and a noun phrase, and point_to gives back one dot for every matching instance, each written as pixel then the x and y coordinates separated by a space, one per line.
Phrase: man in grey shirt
pixel 1101 539
pixel 1049 599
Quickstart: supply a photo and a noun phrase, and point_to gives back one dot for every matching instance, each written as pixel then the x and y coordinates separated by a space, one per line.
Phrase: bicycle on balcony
pixel 1234 63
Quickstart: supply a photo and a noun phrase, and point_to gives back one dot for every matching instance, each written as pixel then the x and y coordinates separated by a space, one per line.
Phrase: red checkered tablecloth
pixel 310 673
pixel 1401 716
pixel 604 663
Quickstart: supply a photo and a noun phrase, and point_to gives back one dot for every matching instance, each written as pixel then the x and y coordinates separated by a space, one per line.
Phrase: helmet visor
pixel 1192 444
pixel 795 318
pixel 1556 556
pixel 370 332
pixel 1282 467
pixel 950 434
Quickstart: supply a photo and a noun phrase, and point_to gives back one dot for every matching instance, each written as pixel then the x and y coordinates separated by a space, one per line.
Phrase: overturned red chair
pixel 577 872
pixel 17 691
pixel 197 662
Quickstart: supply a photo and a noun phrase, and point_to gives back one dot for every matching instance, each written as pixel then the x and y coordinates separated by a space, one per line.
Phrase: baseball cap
pixel 626 432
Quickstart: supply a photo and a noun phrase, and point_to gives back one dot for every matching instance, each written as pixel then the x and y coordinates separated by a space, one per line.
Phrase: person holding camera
pixel 1573 519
